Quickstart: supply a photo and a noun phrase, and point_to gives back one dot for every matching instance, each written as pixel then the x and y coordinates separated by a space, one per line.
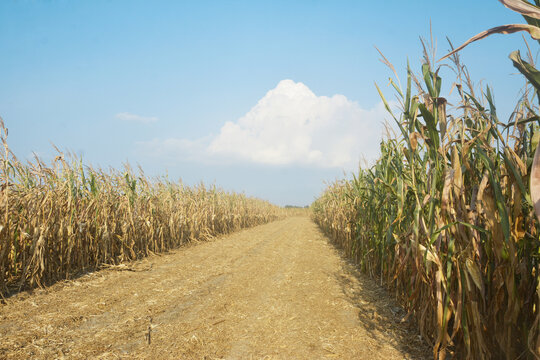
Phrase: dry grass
pixel 60 220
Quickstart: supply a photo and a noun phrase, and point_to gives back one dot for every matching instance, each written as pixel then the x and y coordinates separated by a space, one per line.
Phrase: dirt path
pixel 277 291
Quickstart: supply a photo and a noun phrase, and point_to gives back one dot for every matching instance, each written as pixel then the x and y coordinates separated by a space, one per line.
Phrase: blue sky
pixel 203 90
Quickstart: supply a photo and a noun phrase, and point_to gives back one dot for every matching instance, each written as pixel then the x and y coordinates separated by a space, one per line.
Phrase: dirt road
pixel 277 291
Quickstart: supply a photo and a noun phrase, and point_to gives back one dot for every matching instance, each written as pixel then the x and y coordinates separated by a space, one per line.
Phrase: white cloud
pixel 290 125
pixel 125 116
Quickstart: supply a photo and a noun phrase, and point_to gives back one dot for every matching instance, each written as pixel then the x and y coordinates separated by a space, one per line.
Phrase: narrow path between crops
pixel 277 291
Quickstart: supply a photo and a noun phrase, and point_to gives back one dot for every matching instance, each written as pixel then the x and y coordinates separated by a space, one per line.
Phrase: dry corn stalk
pixel 447 222
pixel 60 220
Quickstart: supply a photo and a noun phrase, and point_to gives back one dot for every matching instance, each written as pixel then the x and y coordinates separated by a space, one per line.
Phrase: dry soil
pixel 276 291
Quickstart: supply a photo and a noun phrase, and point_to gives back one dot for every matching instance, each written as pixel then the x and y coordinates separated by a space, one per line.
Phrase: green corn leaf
pixel 427 79
pixel 431 124
pixel 524 121
pixel 396 87
pixel 499 198
pixel 517 176
pixel 387 107
pixel 438 84
pixel 492 108
pixel 529 71
pixel 414 109
pixel 533 22
pixel 407 104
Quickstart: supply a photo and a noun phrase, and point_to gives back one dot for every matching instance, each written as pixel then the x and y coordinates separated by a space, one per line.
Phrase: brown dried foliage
pixel 60 220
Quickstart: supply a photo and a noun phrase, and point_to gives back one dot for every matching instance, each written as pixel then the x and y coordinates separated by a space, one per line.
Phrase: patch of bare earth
pixel 277 291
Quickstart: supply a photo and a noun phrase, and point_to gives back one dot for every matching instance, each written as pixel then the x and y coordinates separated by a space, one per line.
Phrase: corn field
pixel 60 220
pixel 444 218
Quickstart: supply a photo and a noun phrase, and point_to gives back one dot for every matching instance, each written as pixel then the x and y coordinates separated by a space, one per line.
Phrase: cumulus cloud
pixel 125 116
pixel 291 125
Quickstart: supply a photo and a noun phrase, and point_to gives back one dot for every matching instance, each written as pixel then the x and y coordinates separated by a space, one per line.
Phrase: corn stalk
pixel 61 220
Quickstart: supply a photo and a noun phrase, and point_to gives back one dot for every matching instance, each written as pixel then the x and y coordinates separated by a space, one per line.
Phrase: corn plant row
pixel 60 220
pixel 444 218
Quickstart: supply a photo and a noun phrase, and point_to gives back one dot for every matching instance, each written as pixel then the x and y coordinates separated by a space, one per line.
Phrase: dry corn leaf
pixel 503 29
